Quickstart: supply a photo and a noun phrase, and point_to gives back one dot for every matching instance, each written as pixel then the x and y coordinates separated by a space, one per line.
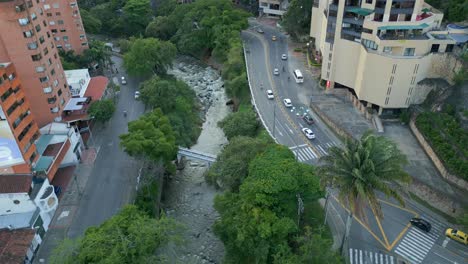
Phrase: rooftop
pixel 15 183
pixel 96 87
pixel 14 245
pixel 78 81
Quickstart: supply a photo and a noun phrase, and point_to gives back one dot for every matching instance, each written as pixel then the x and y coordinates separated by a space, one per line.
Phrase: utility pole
pixel 327 198
pixel 346 234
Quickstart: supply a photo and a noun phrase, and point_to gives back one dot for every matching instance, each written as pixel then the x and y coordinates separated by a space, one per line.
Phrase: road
pixel 372 240
pixel 113 177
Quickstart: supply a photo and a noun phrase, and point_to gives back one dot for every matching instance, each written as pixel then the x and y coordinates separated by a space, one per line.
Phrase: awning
pixel 75 104
pixel 404 27
pixel 360 11
pixel 459 38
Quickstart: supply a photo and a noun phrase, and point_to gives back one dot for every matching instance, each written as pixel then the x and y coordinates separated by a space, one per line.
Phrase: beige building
pixel 379 49
pixel 273 8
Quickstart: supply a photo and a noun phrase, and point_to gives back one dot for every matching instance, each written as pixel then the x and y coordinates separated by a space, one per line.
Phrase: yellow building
pixel 379 49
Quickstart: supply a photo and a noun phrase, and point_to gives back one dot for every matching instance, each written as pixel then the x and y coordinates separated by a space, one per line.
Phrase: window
pixel 44 23
pixel 41 39
pixel 32 45
pixel 29 4
pixel 73 4
pixel 24 132
pixel 46 51
pixel 368 1
pixel 28 34
pixel 47 7
pixel 40 69
pixel 44 79
pixel 6 94
pixel 57 13
pixel 51 22
pixel 62 101
pixel 449 48
pixel 57 38
pixel 55 55
pixel 65 38
pixel 36 57
pixel 68 46
pixel 55 5
pixel 387 49
pixel 59 47
pixel 47 90
pixel 49 14
pixel 38 28
pixel 82 37
pixel 84 44
pixel 52 72
pixel 56 83
pixel 20 8
pixel 59 92
pixel 49 61
pixel 23 21
pixel 63 30
pixel 409 52
pixel 33 16
pixel 52 100
pixel 435 48
pixel 40 11
pixel 48 34
pixel 54 31
pixel 60 22
pixel 370 44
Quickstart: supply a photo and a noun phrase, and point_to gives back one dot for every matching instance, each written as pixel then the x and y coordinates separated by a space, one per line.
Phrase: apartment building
pixel 273 8
pixel 379 49
pixel 66 26
pixel 26 41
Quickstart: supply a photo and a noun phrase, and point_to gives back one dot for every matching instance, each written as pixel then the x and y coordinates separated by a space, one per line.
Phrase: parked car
pixel 284 57
pixel 270 94
pixel 123 80
pixel 273 38
pixel 137 94
pixel 457 235
pixel 276 71
pixel 308 119
pixel 308 133
pixel 259 30
pixel 421 224
pixel 287 102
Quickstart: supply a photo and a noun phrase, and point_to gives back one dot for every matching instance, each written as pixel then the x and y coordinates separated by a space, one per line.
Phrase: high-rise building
pixel 26 41
pixel 379 49
pixel 66 26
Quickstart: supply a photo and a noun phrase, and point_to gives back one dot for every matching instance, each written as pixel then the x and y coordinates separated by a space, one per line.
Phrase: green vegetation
pixel 454 10
pixel 136 16
pixel 296 21
pixel 363 167
pixel 146 198
pixel 130 236
pixel 149 56
pixel 97 53
pixel 91 23
pixel 177 101
pixel 448 139
pixel 150 137
pixel 242 123
pixel 102 110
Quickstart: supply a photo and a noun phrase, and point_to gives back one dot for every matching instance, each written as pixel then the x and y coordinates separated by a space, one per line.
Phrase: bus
pixel 298 76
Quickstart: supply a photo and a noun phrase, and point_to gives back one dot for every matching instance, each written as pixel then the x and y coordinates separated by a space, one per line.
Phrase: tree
pixel 231 166
pixel 242 123
pixel 97 52
pixel 91 23
pixel 297 19
pixel 316 248
pixel 363 167
pixel 151 137
pixel 161 28
pixel 101 110
pixel 148 56
pixel 130 236
pixel 176 100
pixel 108 14
pixel 137 15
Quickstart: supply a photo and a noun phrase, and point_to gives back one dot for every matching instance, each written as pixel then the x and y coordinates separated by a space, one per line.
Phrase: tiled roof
pixel 14 245
pixel 96 87
pixel 15 184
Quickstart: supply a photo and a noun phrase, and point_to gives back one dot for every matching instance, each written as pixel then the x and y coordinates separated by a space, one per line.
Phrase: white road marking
pixel 323 151
pixel 303 145
pixel 358 256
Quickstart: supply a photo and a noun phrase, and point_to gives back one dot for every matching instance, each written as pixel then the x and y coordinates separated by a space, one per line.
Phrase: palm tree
pixel 362 168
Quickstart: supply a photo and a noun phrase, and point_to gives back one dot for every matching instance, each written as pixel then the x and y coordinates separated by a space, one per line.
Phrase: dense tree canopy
pixel 161 28
pixel 136 14
pixel 148 56
pixel 151 137
pixel 130 236
pixel 242 123
pixel 454 10
pixel 297 19
pixel 101 110
pixel 177 101
pixel 91 23
pixel 363 167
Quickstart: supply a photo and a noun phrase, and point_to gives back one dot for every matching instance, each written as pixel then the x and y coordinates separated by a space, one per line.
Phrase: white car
pixel 284 57
pixel 137 94
pixel 259 30
pixel 287 102
pixel 308 133
pixel 276 71
pixel 270 94
pixel 122 80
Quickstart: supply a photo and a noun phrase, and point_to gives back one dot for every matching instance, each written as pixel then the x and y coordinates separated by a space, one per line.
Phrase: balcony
pixel 402 32
pixel 52 150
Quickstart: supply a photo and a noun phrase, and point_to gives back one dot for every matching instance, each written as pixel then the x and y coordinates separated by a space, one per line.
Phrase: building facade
pixel 378 49
pixel 273 8
pixel 66 26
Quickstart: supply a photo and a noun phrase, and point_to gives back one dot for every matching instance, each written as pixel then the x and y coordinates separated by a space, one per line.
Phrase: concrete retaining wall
pixel 435 159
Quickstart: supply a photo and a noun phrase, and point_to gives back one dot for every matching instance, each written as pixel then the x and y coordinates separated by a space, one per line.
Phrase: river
pixel 187 197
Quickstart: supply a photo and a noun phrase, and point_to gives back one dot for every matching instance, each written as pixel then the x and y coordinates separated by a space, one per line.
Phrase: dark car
pixel 421 224
pixel 308 119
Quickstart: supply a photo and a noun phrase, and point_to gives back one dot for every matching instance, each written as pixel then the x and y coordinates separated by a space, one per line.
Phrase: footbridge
pixel 195 154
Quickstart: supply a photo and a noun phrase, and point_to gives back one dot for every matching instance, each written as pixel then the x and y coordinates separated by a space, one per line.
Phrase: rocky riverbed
pixel 187 197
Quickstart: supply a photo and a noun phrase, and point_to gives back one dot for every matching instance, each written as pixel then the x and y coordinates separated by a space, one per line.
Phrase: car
pixel 284 57
pixel 137 94
pixel 273 38
pixel 270 94
pixel 276 71
pixel 259 30
pixel 287 102
pixel 308 133
pixel 308 119
pixel 122 80
pixel 457 235
pixel 421 224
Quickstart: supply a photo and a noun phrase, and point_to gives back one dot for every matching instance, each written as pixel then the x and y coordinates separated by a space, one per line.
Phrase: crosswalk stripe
pixel 307 153
pixel 300 156
pixel 407 253
pixel 413 249
pixel 358 256
pixel 351 256
pixel 311 152
pixel 323 151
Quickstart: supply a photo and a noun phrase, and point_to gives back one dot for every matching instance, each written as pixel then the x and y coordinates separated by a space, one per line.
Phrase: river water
pixel 187 197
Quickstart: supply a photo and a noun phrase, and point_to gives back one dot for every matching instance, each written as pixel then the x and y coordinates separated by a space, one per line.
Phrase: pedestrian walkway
pixel 358 256
pixel 416 243
pixel 304 153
